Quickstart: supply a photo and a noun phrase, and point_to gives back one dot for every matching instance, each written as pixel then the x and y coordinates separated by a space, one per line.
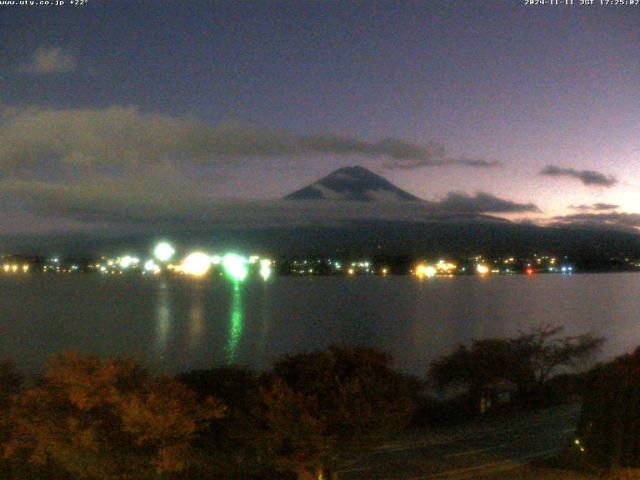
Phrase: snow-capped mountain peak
pixel 353 184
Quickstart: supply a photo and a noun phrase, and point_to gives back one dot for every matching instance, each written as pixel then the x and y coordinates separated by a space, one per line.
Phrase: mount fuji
pixel 352 184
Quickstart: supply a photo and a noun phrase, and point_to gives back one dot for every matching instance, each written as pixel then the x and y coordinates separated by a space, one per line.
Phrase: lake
pixel 175 324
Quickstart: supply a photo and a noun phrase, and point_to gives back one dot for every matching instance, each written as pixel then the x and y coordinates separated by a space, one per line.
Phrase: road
pixel 474 451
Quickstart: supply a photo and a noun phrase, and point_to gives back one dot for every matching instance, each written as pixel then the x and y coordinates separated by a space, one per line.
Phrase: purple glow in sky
pixel 145 102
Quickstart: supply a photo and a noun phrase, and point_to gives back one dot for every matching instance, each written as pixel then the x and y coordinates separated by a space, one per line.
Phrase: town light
pixel 423 270
pixel 164 251
pixel 235 266
pixel 482 269
pixel 265 268
pixel 128 261
pixel 196 264
pixel 151 266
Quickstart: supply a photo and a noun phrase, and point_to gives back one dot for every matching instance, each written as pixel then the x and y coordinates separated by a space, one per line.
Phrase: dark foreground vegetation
pixel 308 417
pixel 609 429
pixel 110 419
pixel 495 373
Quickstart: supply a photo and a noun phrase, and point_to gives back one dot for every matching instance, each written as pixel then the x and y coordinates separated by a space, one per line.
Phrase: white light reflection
pixel 164 316
pixel 196 317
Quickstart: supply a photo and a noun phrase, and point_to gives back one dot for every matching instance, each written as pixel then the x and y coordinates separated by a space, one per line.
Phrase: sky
pixel 186 113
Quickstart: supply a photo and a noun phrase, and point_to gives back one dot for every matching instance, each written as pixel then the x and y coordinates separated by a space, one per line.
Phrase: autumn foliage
pixel 90 418
pixel 234 446
pixel 106 420
pixel 325 408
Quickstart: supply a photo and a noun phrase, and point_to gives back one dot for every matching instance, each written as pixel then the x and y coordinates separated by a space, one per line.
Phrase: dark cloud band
pixel 587 177
pixel 130 203
pixel 121 138
pixel 616 220
pixel 596 207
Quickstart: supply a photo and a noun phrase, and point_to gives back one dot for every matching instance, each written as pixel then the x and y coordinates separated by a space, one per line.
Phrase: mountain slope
pixel 352 184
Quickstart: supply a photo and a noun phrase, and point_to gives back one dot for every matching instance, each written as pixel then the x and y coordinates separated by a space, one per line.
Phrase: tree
pixel 326 407
pixel 474 368
pixel 544 351
pixel 10 384
pixel 106 420
pixel 608 432
pixel 528 360
pixel 232 446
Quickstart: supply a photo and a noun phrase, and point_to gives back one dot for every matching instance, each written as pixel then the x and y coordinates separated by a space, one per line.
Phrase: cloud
pixel 482 203
pixel 595 207
pixel 49 60
pixel 122 139
pixel 587 177
pixel 406 156
pixel 115 139
pixel 121 166
pixel 134 202
pixel 610 220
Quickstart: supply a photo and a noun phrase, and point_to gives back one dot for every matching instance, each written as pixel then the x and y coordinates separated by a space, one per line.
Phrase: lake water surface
pixel 178 324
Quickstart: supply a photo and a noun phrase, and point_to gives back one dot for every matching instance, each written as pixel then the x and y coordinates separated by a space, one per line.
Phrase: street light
pixel 164 251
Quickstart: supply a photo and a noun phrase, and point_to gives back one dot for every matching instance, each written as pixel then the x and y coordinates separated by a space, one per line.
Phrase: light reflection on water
pixel 235 324
pixel 265 319
pixel 196 317
pixel 178 324
pixel 164 316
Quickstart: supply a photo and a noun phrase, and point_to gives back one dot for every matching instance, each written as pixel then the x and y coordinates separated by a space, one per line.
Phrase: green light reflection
pixel 237 325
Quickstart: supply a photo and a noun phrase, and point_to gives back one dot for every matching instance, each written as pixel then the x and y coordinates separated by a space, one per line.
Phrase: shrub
pixel 609 428
pixel 527 361
pixel 106 420
pixel 232 447
pixel 326 407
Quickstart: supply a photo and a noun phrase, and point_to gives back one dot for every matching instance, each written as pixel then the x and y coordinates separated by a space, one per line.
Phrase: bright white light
pixel 196 264
pixel 445 266
pixel 423 270
pixel 265 268
pixel 151 266
pixel 164 251
pixel 253 259
pixel 235 266
pixel 482 269
pixel 128 261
